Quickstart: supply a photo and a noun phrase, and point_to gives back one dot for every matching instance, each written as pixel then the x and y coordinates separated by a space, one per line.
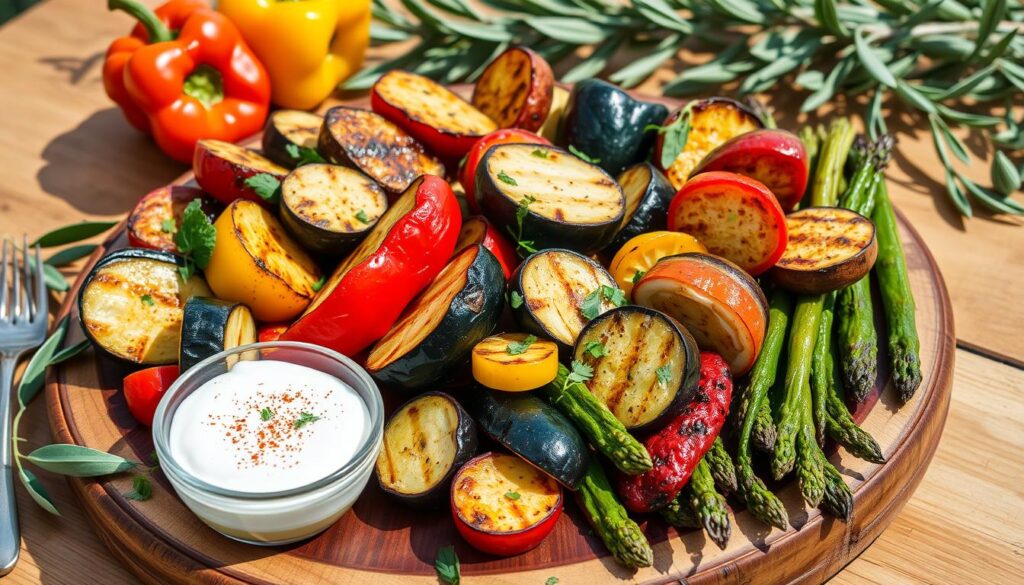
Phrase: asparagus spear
pixel 822 366
pixel 897 299
pixel 831 158
pixel 763 434
pixel 708 505
pixel 838 499
pixel 678 512
pixel 722 468
pixel 810 461
pixel 610 520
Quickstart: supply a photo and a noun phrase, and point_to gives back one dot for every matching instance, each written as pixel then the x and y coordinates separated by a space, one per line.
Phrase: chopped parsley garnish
pixel 505 178
pixel 168 226
pixel 304 419
pixel 595 349
pixel 664 374
pixel 142 490
pixel 515 299
pixel 512 495
pixel 551 581
pixel 518 347
pixel 146 300
pixel 590 307
pixel 447 566
pixel 361 216
pixel 637 276
pixel 583 156
pixel 303 155
pixel 580 372
pixel 195 239
pixel 521 212
pixel 319 284
pixel 267 186
pixel 266 414
pixel 539 153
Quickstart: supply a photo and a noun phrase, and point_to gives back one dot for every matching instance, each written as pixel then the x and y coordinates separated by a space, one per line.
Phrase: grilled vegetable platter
pixel 570 297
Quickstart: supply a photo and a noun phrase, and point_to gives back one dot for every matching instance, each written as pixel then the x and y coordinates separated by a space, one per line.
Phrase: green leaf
pixel 957 195
pixel 519 347
pixel 512 495
pixel 613 295
pixel 811 79
pixel 912 97
pixel 196 235
pixel 998 49
pixel 664 374
pixel 142 489
pixel 69 255
pixel 35 488
pixel 992 14
pixel 662 14
pixel 637 276
pixel 168 226
pixel 675 136
pixel 740 9
pixel 965 85
pixel 875 120
pixel 590 307
pixel 580 372
pixel 992 200
pixel 973 120
pixel 69 352
pixel 35 372
pixel 825 13
pixel 361 216
pixel 482 31
pixel 871 62
pixel 829 86
pixel 386 34
pixel 302 155
pixel 594 64
pixel 52 277
pixel 1005 176
pixel 73 233
pixel 304 419
pixel 319 284
pixel 943 46
pixel 568 30
pixel 266 414
pixel 505 178
pixel 266 186
pixel 515 299
pixel 595 349
pixel 447 566
pixel 583 156
pixel 644 67
pixel 78 461
pixel 954 143
pixel 551 581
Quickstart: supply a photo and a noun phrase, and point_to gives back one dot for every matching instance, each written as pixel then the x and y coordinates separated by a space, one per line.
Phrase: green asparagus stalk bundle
pixel 708 505
pixel 610 520
pixel 897 299
pixel 598 424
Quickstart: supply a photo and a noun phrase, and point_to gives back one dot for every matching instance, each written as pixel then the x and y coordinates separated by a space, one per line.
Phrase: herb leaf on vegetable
pixel 267 186
pixel 579 372
pixel 303 155
pixel 521 212
pixel 664 374
pixel 319 284
pixel 595 349
pixel 637 276
pixel 512 495
pixel 507 179
pixel 146 300
pixel 583 156
pixel 362 217
pixel 195 239
pixel 518 347
pixel 515 299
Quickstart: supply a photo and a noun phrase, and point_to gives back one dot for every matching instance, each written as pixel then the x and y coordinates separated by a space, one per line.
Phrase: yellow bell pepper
pixel 293 40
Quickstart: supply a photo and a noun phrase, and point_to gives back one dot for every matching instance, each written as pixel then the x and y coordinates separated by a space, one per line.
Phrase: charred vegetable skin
pixel 289 133
pixel 534 430
pixel 600 426
pixel 469 296
pixel 648 194
pixel 608 125
pixel 425 442
pixel 210 326
pixel 677 448
pixel 611 521
pixel 153 221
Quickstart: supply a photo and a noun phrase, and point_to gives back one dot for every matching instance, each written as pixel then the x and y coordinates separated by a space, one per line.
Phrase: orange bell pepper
pixel 184 74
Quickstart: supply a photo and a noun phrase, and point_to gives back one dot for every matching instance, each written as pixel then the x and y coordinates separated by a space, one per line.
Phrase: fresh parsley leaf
pixel 581 372
pixel 551 581
pixel 361 216
pixel 637 276
pixel 266 414
pixel 304 419
pixel 613 295
pixel 303 155
pixel 583 156
pixel 267 186
pixel 518 347
pixel 142 490
pixel 539 153
pixel 512 495
pixel 168 226
pixel 522 210
pixel 505 178
pixel 319 284
pixel 195 239
pixel 515 299
pixel 146 300
pixel 596 349
pixel 664 374
pixel 591 305
pixel 447 566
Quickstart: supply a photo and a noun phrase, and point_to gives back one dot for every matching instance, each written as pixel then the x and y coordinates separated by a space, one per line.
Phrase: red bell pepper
pixel 144 389
pixel 370 288
pixel 270 331
pixel 185 73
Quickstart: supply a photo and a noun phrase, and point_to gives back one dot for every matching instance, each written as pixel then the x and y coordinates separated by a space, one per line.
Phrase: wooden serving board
pixel 380 541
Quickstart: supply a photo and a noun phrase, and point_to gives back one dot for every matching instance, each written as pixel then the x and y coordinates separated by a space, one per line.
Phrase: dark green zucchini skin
pixel 606 123
pixel 275 143
pixel 467 442
pixel 651 213
pixel 203 325
pixel 534 430
pixel 470 317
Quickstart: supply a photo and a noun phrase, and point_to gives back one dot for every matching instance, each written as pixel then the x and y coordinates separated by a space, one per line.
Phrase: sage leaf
pixel 660 13
pixel 78 461
pixel 32 379
pixel 973 120
pixel 69 352
pixel 568 30
pixel 991 15
pixel 912 97
pixel 69 255
pixel 825 13
pixel 73 233
pixel 1005 176
pixel 35 488
pixel 871 62
pixel 990 199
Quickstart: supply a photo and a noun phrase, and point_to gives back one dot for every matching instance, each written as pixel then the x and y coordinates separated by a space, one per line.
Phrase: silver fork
pixel 22 327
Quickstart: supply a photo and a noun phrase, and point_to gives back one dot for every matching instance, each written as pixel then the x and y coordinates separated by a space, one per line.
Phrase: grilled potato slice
pixel 829 248
pixel 516 89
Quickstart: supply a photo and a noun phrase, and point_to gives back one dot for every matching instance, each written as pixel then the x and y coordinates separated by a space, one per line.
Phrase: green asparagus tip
pixel 761 502
pixel 906 376
pixel 838 499
pixel 860 372
pixel 634 550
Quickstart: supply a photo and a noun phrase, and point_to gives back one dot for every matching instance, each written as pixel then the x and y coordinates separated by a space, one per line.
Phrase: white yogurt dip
pixel 268 426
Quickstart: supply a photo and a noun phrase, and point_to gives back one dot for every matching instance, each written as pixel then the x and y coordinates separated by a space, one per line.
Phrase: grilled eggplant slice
pixel 223 169
pixel 548 292
pixel 515 90
pixel 534 430
pixel 829 248
pixel 425 442
pixel 515 362
pixel 370 143
pixel 290 133
pixel 712 122
pixel 329 208
pixel 570 203
pixel 152 222
pixel 609 125
pixel 131 305
pixel 209 326
pixel 648 194
pixel 646 365
pixel 444 122
pixel 441 326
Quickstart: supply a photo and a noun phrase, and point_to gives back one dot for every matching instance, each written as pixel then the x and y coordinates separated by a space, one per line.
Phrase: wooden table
pixel 68 155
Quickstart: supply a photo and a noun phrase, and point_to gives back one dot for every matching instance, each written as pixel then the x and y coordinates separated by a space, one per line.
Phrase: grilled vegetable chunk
pixel 712 122
pixel 646 365
pixel 648 194
pixel 328 208
pixel 152 222
pixel 555 292
pixel 435 116
pixel 209 326
pixel 513 362
pixel 131 305
pixel 370 143
pixel 223 169
pixel 534 430
pixel 829 248
pixel 425 442
pixel 289 133
pixel 516 89
pixel 439 328
pixel 569 203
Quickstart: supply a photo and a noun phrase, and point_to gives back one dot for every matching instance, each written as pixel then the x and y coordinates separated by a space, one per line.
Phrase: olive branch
pixel 940 58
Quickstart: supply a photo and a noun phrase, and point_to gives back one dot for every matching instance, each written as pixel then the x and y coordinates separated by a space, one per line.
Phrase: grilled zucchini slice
pixel 209 326
pixel 425 442
pixel 648 194
pixel 548 292
pixel 439 328
pixel 646 365
pixel 829 248
pixel 571 203
pixel 131 305
pixel 289 130
pixel 329 208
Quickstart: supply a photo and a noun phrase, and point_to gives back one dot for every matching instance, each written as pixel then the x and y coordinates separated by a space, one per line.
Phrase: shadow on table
pixel 103 165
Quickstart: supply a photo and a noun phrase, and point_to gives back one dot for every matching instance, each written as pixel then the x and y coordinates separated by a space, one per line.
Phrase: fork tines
pixel 23 293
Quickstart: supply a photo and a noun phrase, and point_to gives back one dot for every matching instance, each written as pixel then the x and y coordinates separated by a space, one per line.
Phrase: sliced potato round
pixel 829 248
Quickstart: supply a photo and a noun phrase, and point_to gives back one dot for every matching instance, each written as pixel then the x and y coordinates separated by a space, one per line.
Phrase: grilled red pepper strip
pixel 203 83
pixel 360 303
pixel 677 448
